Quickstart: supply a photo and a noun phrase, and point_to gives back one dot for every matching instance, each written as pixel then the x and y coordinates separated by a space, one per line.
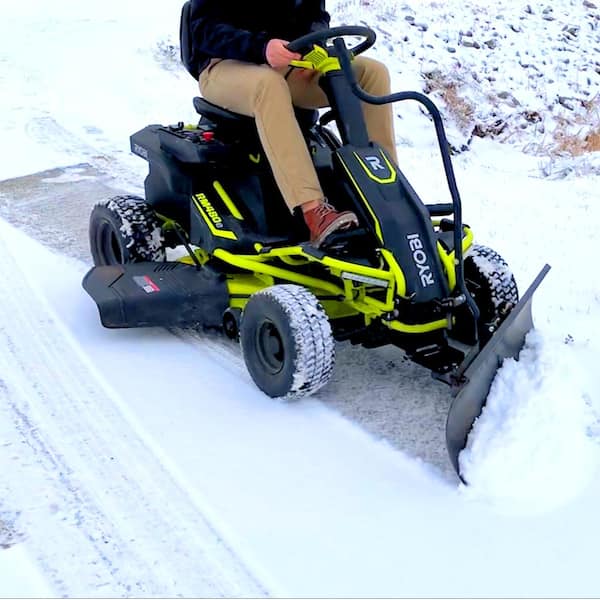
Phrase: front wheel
pixel 286 341
pixel 492 285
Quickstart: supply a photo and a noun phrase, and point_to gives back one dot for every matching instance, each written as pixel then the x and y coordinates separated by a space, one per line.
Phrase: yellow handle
pixel 303 64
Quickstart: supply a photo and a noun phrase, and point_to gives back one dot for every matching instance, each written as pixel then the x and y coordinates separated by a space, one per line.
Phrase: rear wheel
pixel 493 287
pixel 125 229
pixel 286 341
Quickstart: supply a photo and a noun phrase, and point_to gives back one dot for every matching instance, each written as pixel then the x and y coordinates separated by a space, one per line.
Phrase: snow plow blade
pixel 471 393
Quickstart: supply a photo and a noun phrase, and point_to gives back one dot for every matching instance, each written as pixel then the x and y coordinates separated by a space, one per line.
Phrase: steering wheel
pixel 306 42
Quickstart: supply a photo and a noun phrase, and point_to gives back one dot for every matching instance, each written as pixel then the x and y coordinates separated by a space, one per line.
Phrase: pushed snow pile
pixel 535 445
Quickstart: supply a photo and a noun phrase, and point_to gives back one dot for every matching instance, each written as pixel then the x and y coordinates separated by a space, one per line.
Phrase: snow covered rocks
pixel 528 75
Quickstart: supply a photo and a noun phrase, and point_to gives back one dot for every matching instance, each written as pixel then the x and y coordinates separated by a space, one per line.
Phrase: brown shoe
pixel 323 220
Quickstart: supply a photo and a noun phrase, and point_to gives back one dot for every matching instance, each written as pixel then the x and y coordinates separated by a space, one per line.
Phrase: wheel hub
pixel 270 347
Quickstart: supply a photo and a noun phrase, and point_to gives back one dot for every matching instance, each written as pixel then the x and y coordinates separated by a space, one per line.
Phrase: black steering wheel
pixel 306 41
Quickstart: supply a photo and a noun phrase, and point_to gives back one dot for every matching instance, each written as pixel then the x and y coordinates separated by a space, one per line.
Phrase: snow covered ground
pixel 145 463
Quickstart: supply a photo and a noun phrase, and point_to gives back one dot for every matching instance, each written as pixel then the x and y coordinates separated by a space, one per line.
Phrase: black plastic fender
pixel 149 294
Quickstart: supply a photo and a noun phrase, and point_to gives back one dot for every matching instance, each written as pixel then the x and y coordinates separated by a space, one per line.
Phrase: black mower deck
pixel 157 294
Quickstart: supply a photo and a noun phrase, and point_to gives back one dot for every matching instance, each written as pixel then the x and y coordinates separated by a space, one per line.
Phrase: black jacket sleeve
pixel 214 37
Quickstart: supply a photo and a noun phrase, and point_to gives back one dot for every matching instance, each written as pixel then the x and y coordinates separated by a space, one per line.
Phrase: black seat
pixel 220 115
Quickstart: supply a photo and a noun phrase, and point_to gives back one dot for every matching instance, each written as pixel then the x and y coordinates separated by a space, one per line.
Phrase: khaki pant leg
pixel 374 78
pixel 305 90
pixel 262 92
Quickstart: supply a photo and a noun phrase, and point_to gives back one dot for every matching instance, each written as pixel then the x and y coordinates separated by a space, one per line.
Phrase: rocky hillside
pixel 523 72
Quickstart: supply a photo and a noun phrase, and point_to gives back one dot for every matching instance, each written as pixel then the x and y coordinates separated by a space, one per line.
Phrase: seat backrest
pixel 185 39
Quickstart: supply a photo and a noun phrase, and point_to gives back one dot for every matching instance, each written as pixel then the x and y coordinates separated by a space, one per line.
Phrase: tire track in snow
pixel 84 481
pixel 222 350
pixel 392 398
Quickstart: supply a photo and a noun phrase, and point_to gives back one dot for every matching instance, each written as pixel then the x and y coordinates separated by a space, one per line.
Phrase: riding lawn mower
pixel 410 274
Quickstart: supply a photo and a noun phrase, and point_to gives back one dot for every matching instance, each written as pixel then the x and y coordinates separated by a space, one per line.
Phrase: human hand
pixel 305 74
pixel 278 55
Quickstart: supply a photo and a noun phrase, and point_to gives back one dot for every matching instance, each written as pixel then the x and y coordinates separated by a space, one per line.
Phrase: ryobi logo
pixel 209 209
pixel 416 246
pixel 140 151
pixel 377 167
pixel 375 163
